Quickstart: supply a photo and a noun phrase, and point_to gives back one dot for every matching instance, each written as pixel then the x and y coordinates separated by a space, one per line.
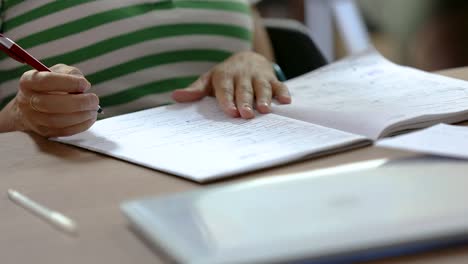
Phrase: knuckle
pixel 265 83
pixel 266 93
pixel 283 88
pixel 261 81
pixel 226 88
pixel 221 74
pixel 90 100
pixel 59 67
pixel 248 93
pixel 244 54
pixel 278 83
pixel 35 101
pixel 40 79
pixel 265 87
pixel 75 83
pixel 95 99
pixel 73 71
pixel 21 98
pixel 92 115
pixel 227 96
pixel 245 87
pixel 66 69
pixel 26 78
pixel 24 81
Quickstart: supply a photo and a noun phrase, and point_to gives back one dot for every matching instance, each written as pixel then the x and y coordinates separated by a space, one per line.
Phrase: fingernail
pixel 247 107
pixel 263 103
pixel 264 107
pixel 232 106
pixel 286 99
pixel 231 110
pixel 247 112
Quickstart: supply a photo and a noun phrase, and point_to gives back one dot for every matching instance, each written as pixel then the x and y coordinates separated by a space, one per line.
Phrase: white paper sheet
pixel 365 94
pixel 442 140
pixel 200 142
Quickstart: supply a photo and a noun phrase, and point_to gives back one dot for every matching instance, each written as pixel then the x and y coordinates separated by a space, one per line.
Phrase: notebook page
pixel 365 94
pixel 199 142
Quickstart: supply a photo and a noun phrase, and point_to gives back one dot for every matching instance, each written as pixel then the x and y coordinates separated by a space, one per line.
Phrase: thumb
pixel 196 91
pixel 65 69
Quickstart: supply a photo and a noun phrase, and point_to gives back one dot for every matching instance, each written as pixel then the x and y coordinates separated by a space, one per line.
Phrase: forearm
pixel 261 40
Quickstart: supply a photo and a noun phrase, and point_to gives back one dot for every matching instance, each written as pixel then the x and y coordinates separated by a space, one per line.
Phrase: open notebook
pixel 344 105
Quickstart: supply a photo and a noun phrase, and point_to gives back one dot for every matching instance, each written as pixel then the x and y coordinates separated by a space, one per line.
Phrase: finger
pixel 263 94
pixel 60 120
pixel 65 69
pixel 64 104
pixel 196 91
pixel 281 92
pixel 223 86
pixel 53 82
pixel 63 132
pixel 245 97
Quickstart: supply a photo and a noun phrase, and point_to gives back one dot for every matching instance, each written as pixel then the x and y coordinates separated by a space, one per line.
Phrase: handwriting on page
pixel 163 128
pixel 374 83
pixel 198 139
pixel 373 88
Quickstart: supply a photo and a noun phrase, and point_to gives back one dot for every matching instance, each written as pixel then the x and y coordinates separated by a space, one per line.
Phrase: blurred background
pixel 426 34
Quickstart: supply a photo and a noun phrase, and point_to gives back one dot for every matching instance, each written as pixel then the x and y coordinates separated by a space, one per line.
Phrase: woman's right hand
pixel 53 104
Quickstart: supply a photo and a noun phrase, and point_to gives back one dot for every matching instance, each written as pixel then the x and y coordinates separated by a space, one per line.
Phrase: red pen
pixel 16 52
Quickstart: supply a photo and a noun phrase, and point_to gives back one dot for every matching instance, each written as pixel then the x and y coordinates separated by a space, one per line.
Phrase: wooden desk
pixel 89 188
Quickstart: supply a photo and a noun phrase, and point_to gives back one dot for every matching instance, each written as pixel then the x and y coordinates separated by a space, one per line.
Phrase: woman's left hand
pixel 241 83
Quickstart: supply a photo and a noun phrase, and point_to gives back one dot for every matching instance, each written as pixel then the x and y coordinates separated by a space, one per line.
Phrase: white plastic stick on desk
pixel 56 219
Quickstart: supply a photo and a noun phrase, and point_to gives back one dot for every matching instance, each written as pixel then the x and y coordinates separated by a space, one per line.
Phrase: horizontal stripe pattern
pixel 8 4
pixel 157 60
pixel 70 16
pixel 125 40
pixel 41 11
pixel 150 61
pixel 80 25
pixel 94 13
pixel 161 72
pixel 138 29
pixel 133 52
pixel 120 56
pixel 149 88
pixel 22 7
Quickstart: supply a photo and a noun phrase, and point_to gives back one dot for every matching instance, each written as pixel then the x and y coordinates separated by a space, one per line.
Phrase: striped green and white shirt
pixel 134 52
